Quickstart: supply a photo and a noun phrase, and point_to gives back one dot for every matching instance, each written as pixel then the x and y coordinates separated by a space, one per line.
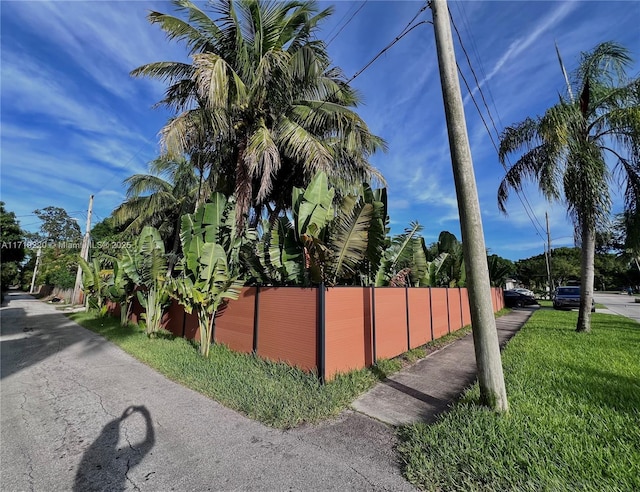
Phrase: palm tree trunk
pixel 173 256
pixel 586 284
pixel 243 186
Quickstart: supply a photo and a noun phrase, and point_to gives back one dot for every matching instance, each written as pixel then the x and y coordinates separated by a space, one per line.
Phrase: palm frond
pixel 349 237
pixel 297 143
pixel 262 159
pixel 180 30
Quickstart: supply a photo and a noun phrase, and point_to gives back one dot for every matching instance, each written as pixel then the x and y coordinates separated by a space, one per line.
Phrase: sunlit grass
pixel 273 393
pixel 573 424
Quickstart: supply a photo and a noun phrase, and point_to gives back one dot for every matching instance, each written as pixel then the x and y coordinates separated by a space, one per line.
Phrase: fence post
pixel 461 311
pixel 256 319
pixel 406 301
pixel 430 313
pixel 321 331
pixel 184 322
pixel 373 322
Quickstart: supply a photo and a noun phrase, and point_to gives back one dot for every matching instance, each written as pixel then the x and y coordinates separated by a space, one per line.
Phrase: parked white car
pixel 526 292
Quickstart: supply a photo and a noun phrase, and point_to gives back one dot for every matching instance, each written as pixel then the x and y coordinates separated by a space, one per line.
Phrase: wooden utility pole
pixel 35 271
pixel 84 253
pixel 485 335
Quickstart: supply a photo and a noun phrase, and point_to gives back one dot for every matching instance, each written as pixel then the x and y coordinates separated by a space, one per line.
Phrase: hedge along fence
pixel 331 330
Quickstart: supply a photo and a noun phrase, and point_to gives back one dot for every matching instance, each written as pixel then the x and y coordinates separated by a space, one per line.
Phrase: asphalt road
pixel 77 413
pixel 621 304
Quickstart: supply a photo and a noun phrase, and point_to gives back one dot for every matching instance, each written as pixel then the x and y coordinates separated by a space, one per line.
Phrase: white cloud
pixel 520 45
pixel 29 88
pixel 105 39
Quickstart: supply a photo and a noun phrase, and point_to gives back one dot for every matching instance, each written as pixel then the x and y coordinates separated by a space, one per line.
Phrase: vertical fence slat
pixel 321 333
pixel 448 312
pixel 256 320
pixel 461 311
pixel 373 322
pixel 406 301
pixel 431 313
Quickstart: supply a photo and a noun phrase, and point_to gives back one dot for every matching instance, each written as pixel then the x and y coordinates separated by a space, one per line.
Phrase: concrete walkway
pixel 77 413
pixel 426 389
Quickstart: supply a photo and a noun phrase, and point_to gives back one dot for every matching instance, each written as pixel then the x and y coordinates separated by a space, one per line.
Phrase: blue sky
pixel 74 122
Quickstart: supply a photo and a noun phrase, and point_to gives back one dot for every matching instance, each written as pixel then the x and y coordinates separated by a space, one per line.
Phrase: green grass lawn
pixel 573 424
pixel 273 393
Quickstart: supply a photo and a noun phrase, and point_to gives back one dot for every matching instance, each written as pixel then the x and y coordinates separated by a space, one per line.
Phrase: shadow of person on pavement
pixel 105 465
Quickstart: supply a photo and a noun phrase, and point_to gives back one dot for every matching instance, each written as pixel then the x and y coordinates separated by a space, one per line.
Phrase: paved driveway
pixel 621 304
pixel 77 413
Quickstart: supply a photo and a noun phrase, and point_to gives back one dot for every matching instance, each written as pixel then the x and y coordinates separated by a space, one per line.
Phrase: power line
pixel 331 31
pixel 524 196
pixel 496 148
pixel 475 78
pixel 523 199
pixel 474 47
pixel 407 29
pixel 346 23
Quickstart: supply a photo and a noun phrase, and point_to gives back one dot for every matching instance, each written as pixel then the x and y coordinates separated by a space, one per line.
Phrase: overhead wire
pixel 346 23
pixel 474 48
pixel 346 14
pixel 407 29
pixel 484 122
pixel 117 172
pixel 519 193
pixel 526 202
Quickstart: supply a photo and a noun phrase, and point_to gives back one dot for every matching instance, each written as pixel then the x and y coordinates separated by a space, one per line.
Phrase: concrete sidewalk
pixel 77 413
pixel 426 389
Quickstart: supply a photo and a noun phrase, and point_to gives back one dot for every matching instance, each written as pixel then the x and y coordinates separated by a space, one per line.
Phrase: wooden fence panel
pixel 173 319
pixel 466 309
pixel 347 329
pixel 500 295
pixel 287 329
pixel 455 310
pixel 419 316
pixel 191 328
pixel 234 324
pixel 288 318
pixel 390 322
pixel 136 310
pixel 439 312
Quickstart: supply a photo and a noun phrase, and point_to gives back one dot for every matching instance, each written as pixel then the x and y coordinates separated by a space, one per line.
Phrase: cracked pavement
pixel 77 413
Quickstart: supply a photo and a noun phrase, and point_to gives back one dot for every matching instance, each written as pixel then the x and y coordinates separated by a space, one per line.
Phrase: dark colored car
pixel 513 298
pixel 569 298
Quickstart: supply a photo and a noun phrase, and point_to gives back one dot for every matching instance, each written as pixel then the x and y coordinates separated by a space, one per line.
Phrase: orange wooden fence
pixel 333 330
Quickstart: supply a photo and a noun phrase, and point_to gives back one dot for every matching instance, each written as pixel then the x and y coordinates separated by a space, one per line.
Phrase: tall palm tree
pixel 260 103
pixel 159 199
pixel 566 151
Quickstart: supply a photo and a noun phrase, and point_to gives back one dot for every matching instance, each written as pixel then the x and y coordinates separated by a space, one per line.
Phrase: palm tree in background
pixel 260 104
pixel 566 150
pixel 159 199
